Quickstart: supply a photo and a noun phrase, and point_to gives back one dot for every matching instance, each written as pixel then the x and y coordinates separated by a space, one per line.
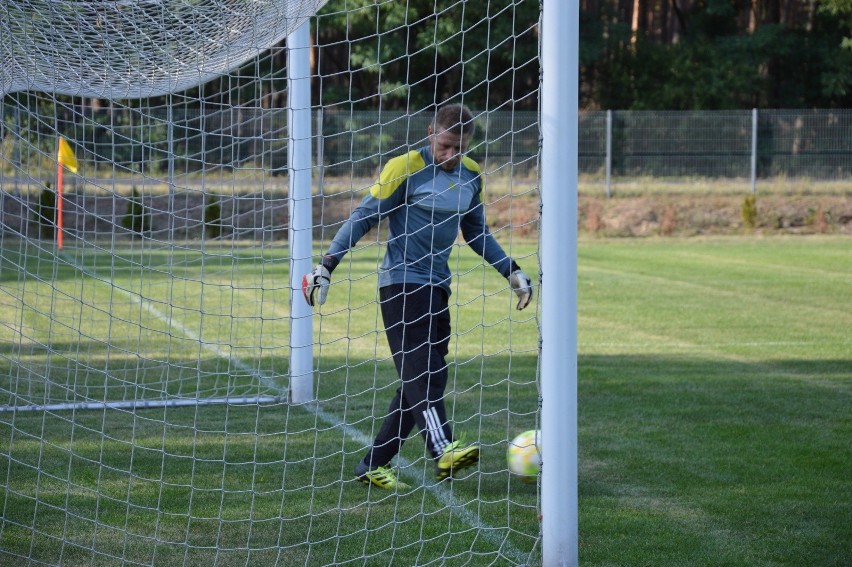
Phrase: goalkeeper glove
pixel 315 285
pixel 521 284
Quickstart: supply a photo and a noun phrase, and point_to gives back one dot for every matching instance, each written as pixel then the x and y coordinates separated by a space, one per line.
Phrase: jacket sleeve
pixel 477 235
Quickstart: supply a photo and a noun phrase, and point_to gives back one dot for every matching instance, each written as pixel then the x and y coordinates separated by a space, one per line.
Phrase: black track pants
pixel 417 324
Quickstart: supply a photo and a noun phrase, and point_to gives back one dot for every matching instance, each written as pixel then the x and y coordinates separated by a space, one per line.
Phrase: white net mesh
pixel 145 365
pixel 137 48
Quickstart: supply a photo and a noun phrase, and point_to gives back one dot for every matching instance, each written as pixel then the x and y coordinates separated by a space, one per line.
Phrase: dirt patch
pixel 664 215
pixel 261 217
pixel 691 216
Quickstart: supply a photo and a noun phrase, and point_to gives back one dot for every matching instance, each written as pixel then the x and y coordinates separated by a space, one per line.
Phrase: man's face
pixel 447 148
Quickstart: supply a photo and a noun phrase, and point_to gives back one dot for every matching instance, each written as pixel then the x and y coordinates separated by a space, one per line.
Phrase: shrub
pixel 138 218
pixel 819 219
pixel 749 211
pixel 45 213
pixel 213 217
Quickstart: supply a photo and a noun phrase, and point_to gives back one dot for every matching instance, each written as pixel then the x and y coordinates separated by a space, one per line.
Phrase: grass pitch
pixel 715 391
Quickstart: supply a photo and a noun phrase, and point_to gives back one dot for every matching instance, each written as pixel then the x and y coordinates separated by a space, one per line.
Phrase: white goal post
pixel 167 397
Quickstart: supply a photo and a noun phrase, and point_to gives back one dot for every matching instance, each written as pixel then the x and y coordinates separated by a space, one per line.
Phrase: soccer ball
pixel 524 455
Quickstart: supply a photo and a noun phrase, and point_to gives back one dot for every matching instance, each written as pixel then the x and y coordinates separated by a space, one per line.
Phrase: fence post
pixel 754 150
pixel 608 154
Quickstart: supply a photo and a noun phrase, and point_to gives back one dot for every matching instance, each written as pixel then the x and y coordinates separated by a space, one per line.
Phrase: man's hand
pixel 315 285
pixel 521 284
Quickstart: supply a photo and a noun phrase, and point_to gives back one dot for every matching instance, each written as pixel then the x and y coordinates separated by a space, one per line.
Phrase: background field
pixel 715 391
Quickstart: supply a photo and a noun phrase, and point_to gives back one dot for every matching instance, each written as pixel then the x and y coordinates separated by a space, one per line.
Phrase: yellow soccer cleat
pixel 456 458
pixel 383 477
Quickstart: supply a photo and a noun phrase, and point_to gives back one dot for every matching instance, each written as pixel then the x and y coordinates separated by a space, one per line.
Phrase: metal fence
pixel 613 145
pixel 753 145
pixel 177 162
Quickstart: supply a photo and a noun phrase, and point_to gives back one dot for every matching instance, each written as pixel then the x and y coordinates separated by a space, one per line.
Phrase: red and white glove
pixel 521 284
pixel 315 285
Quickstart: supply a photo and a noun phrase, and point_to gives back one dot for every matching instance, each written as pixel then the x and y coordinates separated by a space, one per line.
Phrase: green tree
pixel 838 80
pixel 716 54
pixel 424 52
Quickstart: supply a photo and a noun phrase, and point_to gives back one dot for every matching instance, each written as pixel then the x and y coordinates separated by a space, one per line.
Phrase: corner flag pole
pixel 559 128
pixel 64 157
pixel 59 228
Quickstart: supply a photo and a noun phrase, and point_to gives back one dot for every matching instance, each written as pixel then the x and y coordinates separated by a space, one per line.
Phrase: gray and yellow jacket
pixel 425 207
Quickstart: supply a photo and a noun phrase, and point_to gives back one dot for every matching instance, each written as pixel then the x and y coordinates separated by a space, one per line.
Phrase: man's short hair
pixel 454 118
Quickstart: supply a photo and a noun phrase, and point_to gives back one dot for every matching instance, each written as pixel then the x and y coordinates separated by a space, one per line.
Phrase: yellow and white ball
pixel 524 455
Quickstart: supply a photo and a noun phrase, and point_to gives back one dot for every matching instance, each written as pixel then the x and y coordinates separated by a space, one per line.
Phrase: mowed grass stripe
pixel 664 295
pixel 728 271
pixel 701 313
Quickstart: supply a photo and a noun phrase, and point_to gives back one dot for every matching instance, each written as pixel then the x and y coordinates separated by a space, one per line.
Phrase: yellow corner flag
pixel 66 155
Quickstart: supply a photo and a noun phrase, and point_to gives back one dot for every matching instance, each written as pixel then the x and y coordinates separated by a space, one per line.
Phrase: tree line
pixel 634 55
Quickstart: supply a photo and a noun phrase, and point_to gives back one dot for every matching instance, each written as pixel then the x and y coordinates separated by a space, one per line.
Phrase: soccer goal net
pixel 149 158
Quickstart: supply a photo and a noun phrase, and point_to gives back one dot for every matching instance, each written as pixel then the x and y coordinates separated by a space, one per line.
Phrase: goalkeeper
pixel 427 195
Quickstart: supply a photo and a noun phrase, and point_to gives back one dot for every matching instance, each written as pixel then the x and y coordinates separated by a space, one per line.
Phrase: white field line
pixel 439 491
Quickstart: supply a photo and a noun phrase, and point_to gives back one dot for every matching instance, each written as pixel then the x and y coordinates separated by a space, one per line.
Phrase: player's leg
pixel 420 353
pixel 417 324
pixel 373 468
pixel 399 421
pixel 454 455
pixel 418 328
pixel 395 429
